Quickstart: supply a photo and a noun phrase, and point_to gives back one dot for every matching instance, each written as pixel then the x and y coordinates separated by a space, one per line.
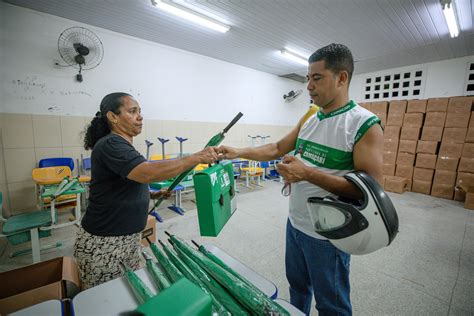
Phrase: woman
pixel 119 196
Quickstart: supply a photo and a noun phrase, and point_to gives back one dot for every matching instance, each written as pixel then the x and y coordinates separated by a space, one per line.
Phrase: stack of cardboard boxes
pixel 429 147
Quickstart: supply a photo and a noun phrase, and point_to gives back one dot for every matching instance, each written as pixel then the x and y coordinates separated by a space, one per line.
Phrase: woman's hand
pixel 207 155
pixel 163 193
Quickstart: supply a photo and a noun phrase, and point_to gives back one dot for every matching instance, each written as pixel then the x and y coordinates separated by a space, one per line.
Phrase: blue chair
pixel 86 164
pixel 56 162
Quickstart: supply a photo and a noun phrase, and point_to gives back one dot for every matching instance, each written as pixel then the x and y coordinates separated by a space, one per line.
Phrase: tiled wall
pixel 26 139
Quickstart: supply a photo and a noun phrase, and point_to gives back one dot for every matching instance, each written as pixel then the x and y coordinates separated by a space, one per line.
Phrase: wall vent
pixel 469 85
pixel 295 77
pixel 409 84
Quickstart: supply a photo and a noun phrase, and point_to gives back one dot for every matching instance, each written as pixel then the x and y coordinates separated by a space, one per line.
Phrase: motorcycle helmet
pixel 356 227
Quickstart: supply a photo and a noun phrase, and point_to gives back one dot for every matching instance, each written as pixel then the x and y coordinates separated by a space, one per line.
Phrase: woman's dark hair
pixel 99 126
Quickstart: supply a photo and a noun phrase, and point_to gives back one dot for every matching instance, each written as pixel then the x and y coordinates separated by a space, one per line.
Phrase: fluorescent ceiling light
pixel 294 57
pixel 190 15
pixel 450 16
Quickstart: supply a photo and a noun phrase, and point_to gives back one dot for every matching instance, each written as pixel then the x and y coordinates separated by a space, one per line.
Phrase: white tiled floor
pixel 428 269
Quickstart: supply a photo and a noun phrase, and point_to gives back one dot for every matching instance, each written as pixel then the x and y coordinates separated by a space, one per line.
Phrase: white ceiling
pixel 382 34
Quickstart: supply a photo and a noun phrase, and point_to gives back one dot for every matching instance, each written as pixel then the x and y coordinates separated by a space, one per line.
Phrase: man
pixel 340 138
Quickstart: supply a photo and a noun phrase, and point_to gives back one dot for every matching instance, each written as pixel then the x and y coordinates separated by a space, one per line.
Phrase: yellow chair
pixel 159 157
pixel 251 172
pixel 201 167
pixel 50 176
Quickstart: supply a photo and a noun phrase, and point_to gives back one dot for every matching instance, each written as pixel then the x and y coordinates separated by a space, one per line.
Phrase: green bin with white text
pixel 215 197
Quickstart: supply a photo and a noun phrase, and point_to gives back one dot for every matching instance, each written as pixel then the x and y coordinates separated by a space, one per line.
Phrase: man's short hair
pixel 337 57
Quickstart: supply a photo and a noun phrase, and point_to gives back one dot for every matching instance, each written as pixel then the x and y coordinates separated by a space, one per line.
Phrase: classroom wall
pixel 169 83
pixel 43 110
pixel 28 138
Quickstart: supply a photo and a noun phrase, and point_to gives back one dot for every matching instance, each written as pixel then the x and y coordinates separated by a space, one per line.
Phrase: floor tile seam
pixel 411 284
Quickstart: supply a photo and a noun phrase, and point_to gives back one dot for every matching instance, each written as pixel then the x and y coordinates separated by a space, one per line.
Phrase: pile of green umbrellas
pixel 231 294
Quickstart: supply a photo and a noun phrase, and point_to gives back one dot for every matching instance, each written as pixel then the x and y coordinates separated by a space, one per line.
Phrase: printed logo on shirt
pixel 324 156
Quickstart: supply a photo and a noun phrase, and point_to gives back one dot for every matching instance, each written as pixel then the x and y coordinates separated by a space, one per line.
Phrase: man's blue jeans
pixel 316 266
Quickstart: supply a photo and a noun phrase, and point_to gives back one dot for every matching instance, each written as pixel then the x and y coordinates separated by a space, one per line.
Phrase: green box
pixel 183 298
pixel 215 197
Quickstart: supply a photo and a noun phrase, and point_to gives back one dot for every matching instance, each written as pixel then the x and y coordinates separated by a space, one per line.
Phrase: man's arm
pixel 266 152
pixel 367 157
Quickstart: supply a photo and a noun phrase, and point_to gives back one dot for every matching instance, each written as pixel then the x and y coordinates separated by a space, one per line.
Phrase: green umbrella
pixel 140 289
pixel 217 260
pixel 188 273
pixel 61 186
pixel 255 301
pixel 214 141
pixel 221 293
pixel 158 276
pixel 69 185
pixel 172 272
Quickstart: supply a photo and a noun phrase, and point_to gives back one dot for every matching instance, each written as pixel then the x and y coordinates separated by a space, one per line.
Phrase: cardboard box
pixel 435 119
pixel 366 105
pixel 390 144
pixel 404 172
pixel 423 187
pixel 379 107
pixel 459 194
pixel 389 157
pixel 470 135
pixel 422 174
pixel 410 133
pixel 432 133
pixel 397 107
pixel 454 119
pixel 466 165
pixel 444 177
pixel 149 231
pixel 55 279
pixel 442 191
pixel 388 169
pixel 471 120
pixel 447 163
pixel 427 161
pixel 460 104
pixel 452 150
pixel 392 132
pixel 468 150
pixel 395 119
pixel 469 202
pixel 465 179
pixel 396 184
pixel 427 147
pixel 407 146
pixel 454 134
pixel 413 119
pixel 437 105
pixel 416 106
pixel 405 159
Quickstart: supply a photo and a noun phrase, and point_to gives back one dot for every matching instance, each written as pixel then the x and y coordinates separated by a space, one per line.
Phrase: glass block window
pixel 399 85
pixel 469 79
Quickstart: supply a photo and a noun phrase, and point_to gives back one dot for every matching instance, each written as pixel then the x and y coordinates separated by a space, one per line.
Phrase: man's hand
pixel 292 169
pixel 163 193
pixel 226 152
